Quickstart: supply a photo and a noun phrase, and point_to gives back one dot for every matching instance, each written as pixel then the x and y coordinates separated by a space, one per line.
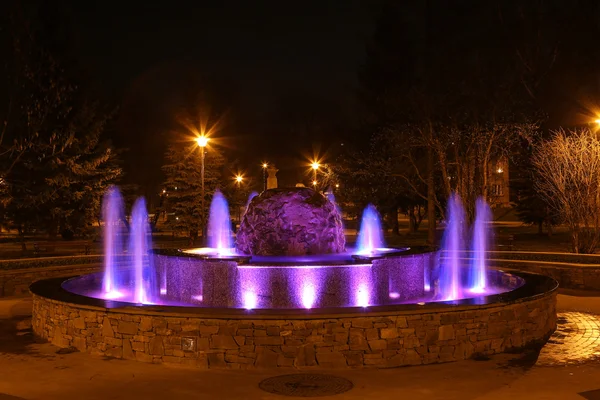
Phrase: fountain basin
pixel 374 336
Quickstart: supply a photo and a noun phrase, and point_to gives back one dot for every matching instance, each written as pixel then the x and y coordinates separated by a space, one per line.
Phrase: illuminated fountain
pixel 112 216
pixel 144 279
pixel 250 197
pixel 291 253
pixel 219 226
pixel 370 236
pixel 450 286
pixel 291 281
pixel 481 245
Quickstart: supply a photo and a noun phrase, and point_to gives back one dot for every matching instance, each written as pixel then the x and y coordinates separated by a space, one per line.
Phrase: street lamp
pixel 238 179
pixel 315 166
pixel 202 142
pixel 264 167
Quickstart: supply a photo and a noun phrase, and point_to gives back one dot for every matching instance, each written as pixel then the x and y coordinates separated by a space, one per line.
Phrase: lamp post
pixel 238 181
pixel 264 167
pixel 202 142
pixel 315 166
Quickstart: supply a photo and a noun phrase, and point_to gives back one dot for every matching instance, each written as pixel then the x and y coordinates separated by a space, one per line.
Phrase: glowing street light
pixel 202 143
pixel 315 167
pixel 264 167
pixel 239 179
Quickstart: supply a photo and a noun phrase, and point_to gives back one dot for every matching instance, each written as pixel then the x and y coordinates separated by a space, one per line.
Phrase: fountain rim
pixel 535 286
pixel 355 259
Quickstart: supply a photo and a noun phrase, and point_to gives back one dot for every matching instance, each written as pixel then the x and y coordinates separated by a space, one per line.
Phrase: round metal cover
pixel 306 385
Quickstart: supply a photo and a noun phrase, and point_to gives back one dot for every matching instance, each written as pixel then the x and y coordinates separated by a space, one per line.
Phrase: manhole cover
pixel 306 385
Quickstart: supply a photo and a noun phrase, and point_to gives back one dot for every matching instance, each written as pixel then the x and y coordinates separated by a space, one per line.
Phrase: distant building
pixel 497 183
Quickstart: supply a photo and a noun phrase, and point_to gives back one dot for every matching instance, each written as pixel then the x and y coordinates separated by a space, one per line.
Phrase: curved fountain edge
pixel 388 337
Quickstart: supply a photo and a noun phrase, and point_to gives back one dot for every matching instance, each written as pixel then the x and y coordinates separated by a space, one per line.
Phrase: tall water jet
pixel 330 196
pixel 453 242
pixel 112 215
pixel 250 197
pixel 139 245
pixel 219 225
pixel 370 237
pixel 480 241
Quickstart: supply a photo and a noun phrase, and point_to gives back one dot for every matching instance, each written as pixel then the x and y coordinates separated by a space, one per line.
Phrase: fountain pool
pixel 350 301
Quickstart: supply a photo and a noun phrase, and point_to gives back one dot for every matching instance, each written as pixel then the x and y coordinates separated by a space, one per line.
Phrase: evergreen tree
pixel 54 165
pixel 183 185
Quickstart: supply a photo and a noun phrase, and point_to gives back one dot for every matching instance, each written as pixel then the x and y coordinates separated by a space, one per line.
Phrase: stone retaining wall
pixel 383 339
pixel 567 276
pixel 16 282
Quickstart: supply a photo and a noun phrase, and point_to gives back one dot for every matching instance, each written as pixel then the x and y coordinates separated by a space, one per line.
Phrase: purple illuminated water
pixel 112 216
pixel 367 276
pixel 139 246
pixel 219 225
pixel 450 287
pixel 480 244
pixel 370 237
pixel 250 197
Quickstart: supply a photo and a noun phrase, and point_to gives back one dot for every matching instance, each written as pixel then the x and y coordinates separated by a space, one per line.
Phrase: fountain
pixel 452 247
pixel 481 244
pixel 370 237
pixel 112 216
pixel 219 226
pixel 291 275
pixel 139 247
pixel 250 197
pixel 278 252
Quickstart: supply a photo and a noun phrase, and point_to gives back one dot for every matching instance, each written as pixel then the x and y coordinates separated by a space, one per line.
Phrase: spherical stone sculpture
pixel 291 221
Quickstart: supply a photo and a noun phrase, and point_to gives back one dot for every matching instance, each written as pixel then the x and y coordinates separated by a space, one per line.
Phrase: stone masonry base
pixel 382 339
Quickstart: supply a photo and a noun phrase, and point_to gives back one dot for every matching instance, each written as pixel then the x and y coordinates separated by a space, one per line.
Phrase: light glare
pixel 202 141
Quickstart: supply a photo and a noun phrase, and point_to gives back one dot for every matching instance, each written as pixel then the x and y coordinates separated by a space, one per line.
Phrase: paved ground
pixel 566 369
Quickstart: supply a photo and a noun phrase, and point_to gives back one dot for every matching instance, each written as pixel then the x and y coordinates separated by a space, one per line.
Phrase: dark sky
pixel 285 70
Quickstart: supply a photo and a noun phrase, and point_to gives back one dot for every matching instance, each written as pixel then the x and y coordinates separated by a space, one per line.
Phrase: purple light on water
pixel 309 295
pixel 139 245
pixel 112 295
pixel 198 297
pixel 112 215
pixel 250 300
pixel 394 295
pixel 362 296
pixel 163 291
pixel 219 225
pixel 370 236
pixel 250 197
pixel 483 216
pixel 450 285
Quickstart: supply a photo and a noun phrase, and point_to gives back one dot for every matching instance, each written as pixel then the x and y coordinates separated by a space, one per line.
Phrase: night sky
pixel 285 72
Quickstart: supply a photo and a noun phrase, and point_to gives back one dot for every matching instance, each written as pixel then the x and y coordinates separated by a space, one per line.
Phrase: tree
pixel 568 166
pixel 460 90
pixel 531 207
pixel 54 165
pixel 184 185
